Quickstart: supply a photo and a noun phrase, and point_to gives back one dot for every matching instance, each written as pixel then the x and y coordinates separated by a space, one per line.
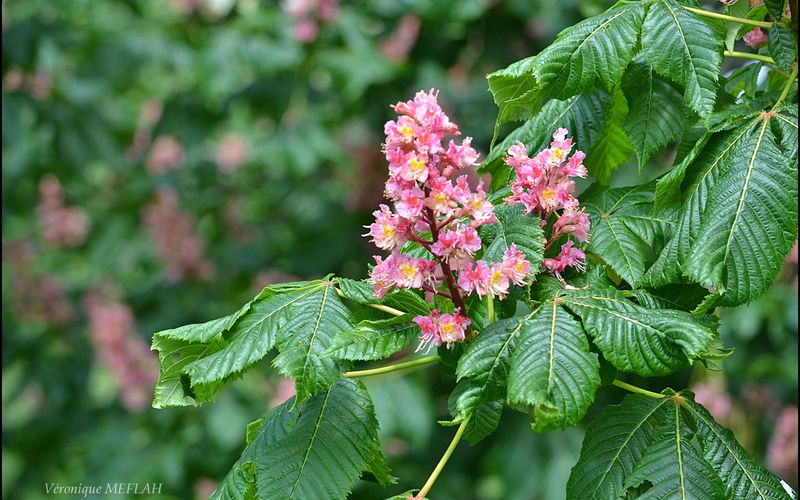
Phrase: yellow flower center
pixel 447 328
pixel 440 198
pixel 496 276
pixel 388 231
pixel 558 154
pixel 548 194
pixel 417 165
pixel 409 270
pixel 407 131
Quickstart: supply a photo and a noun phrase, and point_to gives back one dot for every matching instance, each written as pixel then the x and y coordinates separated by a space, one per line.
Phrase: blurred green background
pixel 163 160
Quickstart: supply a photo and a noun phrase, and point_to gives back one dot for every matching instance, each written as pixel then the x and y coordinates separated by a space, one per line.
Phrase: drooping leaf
pixel 782 46
pixel 484 416
pixel 656 112
pixel 513 227
pixel 374 339
pixel 613 147
pixel 673 465
pixel 552 369
pixel 649 342
pixel 742 476
pixel 317 318
pixel 624 231
pixel 775 8
pixel 588 55
pixel 317 450
pixel 613 445
pixel 686 49
pixel 750 220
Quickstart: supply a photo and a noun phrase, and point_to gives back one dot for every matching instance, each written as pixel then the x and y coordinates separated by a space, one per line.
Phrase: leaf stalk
pixel 450 449
pixel 391 368
pixel 637 390
pixel 725 17
pixel 748 55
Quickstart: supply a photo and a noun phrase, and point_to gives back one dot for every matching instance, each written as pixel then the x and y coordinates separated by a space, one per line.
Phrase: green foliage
pixel 665 447
pixel 291 454
pixel 782 46
pixel 514 228
pixel 685 48
pixel 613 146
pixel 374 339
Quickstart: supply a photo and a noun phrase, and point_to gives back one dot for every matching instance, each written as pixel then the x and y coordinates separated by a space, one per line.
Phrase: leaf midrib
pixel 311 442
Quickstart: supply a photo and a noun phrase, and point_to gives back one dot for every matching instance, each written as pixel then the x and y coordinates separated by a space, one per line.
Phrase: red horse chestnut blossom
pixel 543 186
pixel 439 213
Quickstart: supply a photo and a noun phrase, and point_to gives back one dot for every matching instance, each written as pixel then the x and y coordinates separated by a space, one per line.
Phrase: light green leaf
pixel 613 445
pixel 552 369
pixel 585 56
pixel 750 221
pixel 685 48
pixel 374 339
pixel 656 114
pixel 649 342
pixel 514 227
pixel 673 465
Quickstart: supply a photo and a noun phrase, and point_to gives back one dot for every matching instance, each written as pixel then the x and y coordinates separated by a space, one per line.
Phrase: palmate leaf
pixel 673 465
pixel 624 231
pixel 300 319
pixel 742 476
pixel 613 147
pixel 613 444
pixel 750 219
pixel 656 112
pixel 317 450
pixel 686 49
pixel 588 55
pixel 552 369
pixel 374 339
pixel 648 342
pixel 513 228
pixel 665 448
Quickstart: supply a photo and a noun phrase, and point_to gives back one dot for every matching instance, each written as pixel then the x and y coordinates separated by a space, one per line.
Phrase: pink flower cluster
pixel 307 14
pixel 543 185
pixel 61 226
pixel 439 213
pixel 755 38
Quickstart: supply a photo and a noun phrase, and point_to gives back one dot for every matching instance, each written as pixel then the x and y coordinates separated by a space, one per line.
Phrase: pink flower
pixel 568 257
pixel 412 273
pixel 447 244
pixel 468 239
pixel 462 156
pixel 575 166
pixel 435 329
pixel 755 38
pixel 381 275
pixel 411 203
pixel 430 334
pixel 474 278
pixel 574 222
pixel 514 265
pixel 388 231
pixel 498 282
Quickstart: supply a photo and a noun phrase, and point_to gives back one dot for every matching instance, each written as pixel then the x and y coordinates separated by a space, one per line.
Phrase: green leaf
pixel 775 8
pixel 738 9
pixel 613 444
pixel 589 54
pixel 786 124
pixel 668 186
pixel 649 342
pixel 374 339
pixel 317 317
pixel 513 227
pixel 552 369
pixel 742 476
pixel 673 465
pixel 750 220
pixel 685 48
pixel 612 147
pixel 782 46
pixel 624 232
pixel 484 416
pixel 319 449
pixel 656 114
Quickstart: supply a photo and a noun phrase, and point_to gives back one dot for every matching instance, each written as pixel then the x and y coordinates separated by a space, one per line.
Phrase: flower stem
pixel 788 86
pixel 724 17
pixel 450 449
pixel 637 390
pixel 748 55
pixel 489 310
pixel 380 307
pixel 391 368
